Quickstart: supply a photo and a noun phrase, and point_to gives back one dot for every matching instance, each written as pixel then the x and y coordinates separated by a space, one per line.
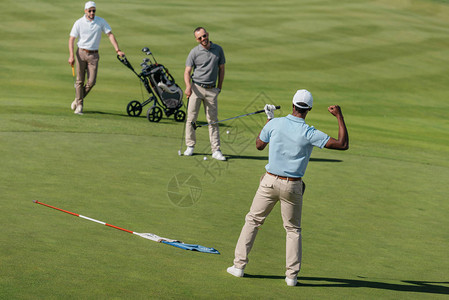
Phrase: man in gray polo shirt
pixel 291 143
pixel 88 30
pixel 207 61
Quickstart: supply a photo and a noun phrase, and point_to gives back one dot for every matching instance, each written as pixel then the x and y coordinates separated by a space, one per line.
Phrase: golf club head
pixel 194 125
pixel 146 50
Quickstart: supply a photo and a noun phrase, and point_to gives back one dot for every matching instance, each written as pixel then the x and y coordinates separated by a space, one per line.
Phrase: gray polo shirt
pixel 205 63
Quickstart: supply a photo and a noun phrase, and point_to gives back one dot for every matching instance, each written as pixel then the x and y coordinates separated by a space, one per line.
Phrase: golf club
pixel 183 130
pixel 147 51
pixel 149 236
pixel 195 126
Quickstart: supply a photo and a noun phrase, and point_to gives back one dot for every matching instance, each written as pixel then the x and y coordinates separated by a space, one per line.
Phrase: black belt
pixel 285 178
pixel 206 86
pixel 89 51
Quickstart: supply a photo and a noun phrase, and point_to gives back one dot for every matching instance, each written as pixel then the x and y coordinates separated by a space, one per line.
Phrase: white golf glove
pixel 269 110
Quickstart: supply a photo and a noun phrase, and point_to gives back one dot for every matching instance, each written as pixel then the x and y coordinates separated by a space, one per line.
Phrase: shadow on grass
pixel 96 112
pixel 164 120
pixel 266 158
pixel 230 156
pixel 246 157
pixel 430 287
pixel 204 124
pixel 325 160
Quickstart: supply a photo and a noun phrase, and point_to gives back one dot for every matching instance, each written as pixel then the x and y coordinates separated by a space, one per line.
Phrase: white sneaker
pixel 79 109
pixel 189 151
pixel 218 155
pixel 291 281
pixel 73 106
pixel 235 271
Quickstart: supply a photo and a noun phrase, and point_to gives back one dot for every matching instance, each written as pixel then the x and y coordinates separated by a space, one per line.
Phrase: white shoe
pixel 189 151
pixel 79 109
pixel 73 106
pixel 218 155
pixel 291 281
pixel 235 271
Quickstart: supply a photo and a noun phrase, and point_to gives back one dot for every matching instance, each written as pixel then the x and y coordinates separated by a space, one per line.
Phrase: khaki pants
pixel 270 191
pixel 86 63
pixel 209 99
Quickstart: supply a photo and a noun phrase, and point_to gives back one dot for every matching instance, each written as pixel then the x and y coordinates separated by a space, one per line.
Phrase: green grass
pixel 375 217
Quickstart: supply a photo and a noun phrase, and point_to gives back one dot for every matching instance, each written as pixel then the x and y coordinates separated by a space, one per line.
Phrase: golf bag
pixel 165 94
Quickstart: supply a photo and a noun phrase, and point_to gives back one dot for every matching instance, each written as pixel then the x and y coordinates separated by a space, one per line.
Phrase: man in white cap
pixel 88 30
pixel 291 143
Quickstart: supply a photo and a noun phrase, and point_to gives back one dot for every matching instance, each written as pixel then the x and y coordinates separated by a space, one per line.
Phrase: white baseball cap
pixel 303 99
pixel 89 4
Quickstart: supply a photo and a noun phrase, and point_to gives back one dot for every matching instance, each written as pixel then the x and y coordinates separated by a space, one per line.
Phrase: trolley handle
pixel 125 61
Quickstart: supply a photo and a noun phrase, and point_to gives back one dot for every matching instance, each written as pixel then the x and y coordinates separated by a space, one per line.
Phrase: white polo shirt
pixel 88 32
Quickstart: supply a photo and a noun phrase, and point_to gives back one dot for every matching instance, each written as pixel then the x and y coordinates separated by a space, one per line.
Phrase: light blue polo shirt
pixel 291 144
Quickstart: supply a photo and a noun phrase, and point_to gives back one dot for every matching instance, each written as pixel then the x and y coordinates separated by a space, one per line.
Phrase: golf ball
pixel 205 158
pixel 227 132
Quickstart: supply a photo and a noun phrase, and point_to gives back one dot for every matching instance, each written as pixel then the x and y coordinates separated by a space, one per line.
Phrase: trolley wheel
pixel 154 114
pixel 180 116
pixel 134 108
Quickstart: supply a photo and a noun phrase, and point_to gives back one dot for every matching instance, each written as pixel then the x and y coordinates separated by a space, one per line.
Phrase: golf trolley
pixel 160 85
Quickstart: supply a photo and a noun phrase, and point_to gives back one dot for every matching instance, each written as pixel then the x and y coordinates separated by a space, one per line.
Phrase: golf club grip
pixel 263 110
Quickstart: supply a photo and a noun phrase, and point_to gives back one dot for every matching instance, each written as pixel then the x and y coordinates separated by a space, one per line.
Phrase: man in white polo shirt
pixel 291 143
pixel 88 30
